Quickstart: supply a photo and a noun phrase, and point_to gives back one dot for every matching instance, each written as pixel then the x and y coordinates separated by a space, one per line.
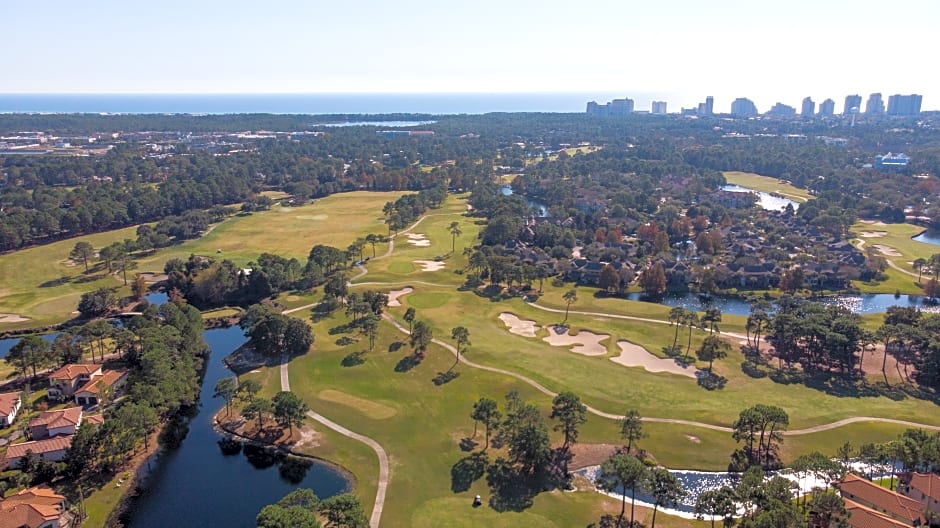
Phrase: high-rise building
pixel 621 106
pixel 781 110
pixel 904 105
pixel 743 107
pixel 853 104
pixel 809 107
pixel 875 105
pixel 659 107
pixel 827 108
pixel 709 105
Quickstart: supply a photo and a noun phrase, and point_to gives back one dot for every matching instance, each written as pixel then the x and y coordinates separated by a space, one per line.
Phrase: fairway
pixel 767 184
pixel 895 243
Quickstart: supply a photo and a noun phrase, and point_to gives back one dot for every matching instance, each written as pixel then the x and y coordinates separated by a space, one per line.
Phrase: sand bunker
pixel 887 251
pixel 395 294
pixel 872 234
pixel 12 318
pixel 418 239
pixel 632 355
pixel 877 223
pixel 585 343
pixel 518 326
pixel 429 265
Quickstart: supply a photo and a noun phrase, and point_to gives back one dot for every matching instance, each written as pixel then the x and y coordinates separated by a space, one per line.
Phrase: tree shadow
pixel 294 469
pixel 261 457
pixel 87 278
pixel 466 471
pixel 407 363
pixel 712 381
pixel 65 279
pixel 445 377
pixel 396 346
pixel 468 444
pixel 354 359
pixel 511 489
pixel 229 446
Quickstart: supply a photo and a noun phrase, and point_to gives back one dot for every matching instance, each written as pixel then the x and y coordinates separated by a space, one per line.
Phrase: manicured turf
pixel 767 184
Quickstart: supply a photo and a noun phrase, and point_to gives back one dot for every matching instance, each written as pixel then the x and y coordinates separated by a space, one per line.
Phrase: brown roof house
pixel 38 507
pixel 94 390
pixel 922 487
pixel 64 382
pixel 52 449
pixel 874 506
pixel 55 423
pixel 10 403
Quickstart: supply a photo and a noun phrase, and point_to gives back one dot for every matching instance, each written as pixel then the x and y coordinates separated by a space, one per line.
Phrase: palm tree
pixel 461 336
pixel 570 297
pixel 454 233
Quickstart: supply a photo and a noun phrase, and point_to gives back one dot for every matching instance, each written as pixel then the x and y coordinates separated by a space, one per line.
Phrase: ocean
pixel 357 103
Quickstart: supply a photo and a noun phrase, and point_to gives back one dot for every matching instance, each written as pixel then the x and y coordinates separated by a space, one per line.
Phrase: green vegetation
pixel 767 184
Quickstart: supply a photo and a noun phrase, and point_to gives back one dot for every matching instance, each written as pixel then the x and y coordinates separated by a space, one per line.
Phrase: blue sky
pixel 684 49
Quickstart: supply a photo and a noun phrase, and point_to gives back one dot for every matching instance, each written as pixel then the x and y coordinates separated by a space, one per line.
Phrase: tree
pixel 713 348
pixel 932 289
pixel 82 251
pixel 653 281
pixel 373 239
pixel 409 318
pixel 609 279
pixel 248 388
pixel 717 503
pixel 298 509
pixel 139 287
pixel 289 410
pixel 370 325
pixel 455 232
pixel 711 318
pixel 226 388
pixel 486 410
pixel 343 511
pixel 827 510
pixel 30 353
pixel 622 472
pixel 421 337
pixel 631 428
pixel 919 264
pixel 677 316
pixel 570 297
pixel 665 489
pixel 256 408
pixel 570 413
pixel 691 319
pixel 461 336
pixel 98 302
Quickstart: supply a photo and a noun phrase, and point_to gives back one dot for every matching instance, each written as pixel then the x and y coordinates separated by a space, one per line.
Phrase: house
pixel 887 505
pixel 863 517
pixel 92 392
pixel 37 507
pixel 64 382
pixel 10 403
pixel 922 487
pixel 52 449
pixel 55 423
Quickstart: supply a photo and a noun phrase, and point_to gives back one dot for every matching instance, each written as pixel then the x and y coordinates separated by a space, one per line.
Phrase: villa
pixel 37 507
pixel 52 449
pixel 55 423
pixel 10 403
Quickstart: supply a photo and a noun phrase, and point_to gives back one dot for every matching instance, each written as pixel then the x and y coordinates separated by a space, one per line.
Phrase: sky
pixel 677 50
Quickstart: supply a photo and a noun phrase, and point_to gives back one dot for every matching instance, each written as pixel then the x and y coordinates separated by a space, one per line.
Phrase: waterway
pixel 929 237
pixel 765 200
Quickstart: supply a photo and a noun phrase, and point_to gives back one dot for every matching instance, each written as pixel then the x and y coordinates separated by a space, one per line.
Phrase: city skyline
pixel 875 104
pixel 724 48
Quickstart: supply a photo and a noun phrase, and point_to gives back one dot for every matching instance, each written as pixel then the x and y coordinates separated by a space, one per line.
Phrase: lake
pixel 766 200
pixel 868 303
pixel 543 210
pixel 929 237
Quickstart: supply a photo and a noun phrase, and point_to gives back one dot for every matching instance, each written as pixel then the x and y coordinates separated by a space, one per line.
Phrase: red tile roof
pixel 872 495
pixel 928 483
pixel 31 507
pixel 59 418
pixel 48 445
pixel 108 378
pixel 73 371
pixel 864 517
pixel 8 401
pixel 94 419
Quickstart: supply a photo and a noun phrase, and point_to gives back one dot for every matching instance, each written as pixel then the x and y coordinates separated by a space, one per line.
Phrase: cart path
pixel 379 451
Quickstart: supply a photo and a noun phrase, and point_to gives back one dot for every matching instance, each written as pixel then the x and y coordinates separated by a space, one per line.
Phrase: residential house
pixel 864 517
pixel 55 423
pixel 64 382
pixel 886 506
pixel 37 507
pixel 10 403
pixel 922 487
pixel 94 390
pixel 52 449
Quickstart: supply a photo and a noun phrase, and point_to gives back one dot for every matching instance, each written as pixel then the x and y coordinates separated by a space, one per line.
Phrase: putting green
pixel 428 300
pixel 401 267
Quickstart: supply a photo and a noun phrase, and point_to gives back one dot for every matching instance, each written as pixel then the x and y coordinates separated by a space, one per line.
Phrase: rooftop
pixel 60 418
pixel 865 491
pixel 107 379
pixel 48 445
pixel 73 371
pixel 8 401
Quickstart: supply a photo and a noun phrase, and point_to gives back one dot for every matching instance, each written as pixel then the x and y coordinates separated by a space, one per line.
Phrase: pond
pixel 929 237
pixel 765 200
pixel 868 303
pixel 543 210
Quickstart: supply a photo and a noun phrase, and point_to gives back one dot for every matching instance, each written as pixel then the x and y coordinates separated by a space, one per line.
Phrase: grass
pixel 767 184
pixel 899 238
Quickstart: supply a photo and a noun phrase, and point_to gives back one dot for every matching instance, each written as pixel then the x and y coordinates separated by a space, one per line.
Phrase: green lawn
pixel 767 184
pixel 902 251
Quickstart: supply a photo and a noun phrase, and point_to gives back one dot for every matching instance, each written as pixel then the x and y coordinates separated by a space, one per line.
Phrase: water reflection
pixel 765 200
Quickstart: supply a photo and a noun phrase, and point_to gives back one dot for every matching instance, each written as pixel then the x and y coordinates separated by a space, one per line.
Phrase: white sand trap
pixel 395 294
pixel 632 355
pixel 872 234
pixel 12 318
pixel 585 343
pixel 887 251
pixel 418 239
pixel 429 265
pixel 877 223
pixel 518 326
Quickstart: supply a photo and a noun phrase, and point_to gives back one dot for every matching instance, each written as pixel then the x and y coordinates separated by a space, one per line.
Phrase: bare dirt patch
pixel 872 234
pixel 395 294
pixel 430 265
pixel 585 455
pixel 887 250
pixel 418 239
pixel 632 355
pixel 518 326
pixel 584 342
pixel 12 318
pixel 694 439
